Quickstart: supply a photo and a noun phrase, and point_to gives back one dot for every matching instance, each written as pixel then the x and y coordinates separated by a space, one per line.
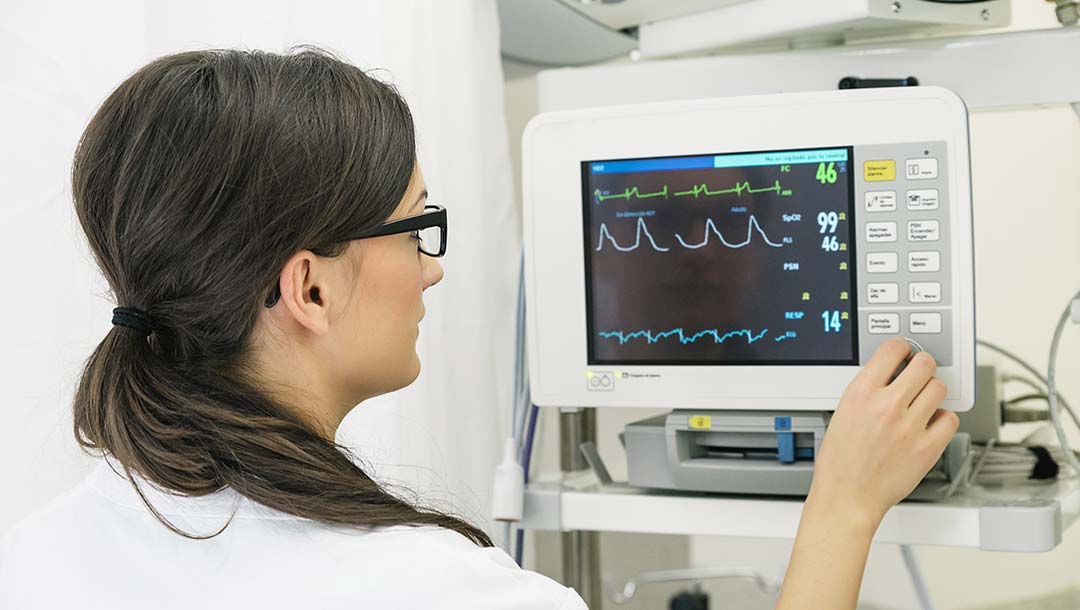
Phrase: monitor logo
pixel 600 381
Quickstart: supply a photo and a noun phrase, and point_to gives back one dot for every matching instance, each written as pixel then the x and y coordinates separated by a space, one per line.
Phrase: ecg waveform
pixel 710 229
pixel 683 338
pixel 695 191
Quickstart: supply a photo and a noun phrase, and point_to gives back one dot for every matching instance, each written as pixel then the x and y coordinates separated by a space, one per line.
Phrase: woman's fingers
pixel 925 406
pixel 940 430
pixel 914 377
pixel 884 362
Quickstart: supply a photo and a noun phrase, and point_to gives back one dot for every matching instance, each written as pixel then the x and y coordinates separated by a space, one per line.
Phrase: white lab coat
pixel 97 546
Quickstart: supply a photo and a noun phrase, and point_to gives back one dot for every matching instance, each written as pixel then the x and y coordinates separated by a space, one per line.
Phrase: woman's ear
pixel 303 282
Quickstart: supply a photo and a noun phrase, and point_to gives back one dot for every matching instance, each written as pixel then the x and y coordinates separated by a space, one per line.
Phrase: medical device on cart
pixel 737 260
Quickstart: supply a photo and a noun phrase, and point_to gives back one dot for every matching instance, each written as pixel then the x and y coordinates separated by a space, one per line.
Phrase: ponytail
pixel 197 433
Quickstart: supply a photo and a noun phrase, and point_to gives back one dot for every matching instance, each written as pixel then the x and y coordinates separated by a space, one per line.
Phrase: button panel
pixel 902 241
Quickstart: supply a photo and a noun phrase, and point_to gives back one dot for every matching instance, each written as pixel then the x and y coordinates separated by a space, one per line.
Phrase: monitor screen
pixel 721 259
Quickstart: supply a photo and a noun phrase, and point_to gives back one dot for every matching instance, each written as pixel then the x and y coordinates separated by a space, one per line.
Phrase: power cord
pixel 1072 310
pixel 1033 371
pixel 508 490
pixel 917 581
pixel 997 463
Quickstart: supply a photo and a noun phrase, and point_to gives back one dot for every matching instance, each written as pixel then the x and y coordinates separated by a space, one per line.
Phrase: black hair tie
pixel 133 319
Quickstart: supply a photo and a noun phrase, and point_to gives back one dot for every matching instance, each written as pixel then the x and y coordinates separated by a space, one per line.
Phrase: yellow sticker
pixel 700 422
pixel 879 171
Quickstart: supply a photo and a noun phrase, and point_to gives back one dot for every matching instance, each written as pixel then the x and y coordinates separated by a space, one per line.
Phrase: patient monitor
pixel 738 259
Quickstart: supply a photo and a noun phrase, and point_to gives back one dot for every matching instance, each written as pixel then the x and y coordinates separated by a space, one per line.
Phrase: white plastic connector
pixel 1075 312
pixel 508 502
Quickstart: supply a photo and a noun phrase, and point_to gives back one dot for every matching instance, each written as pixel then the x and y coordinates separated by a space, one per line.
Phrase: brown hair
pixel 196 180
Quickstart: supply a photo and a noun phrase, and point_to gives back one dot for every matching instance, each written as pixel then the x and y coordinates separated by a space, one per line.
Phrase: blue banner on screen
pixel 729 160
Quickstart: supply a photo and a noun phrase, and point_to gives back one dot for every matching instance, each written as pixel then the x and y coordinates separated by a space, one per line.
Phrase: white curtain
pixel 441 436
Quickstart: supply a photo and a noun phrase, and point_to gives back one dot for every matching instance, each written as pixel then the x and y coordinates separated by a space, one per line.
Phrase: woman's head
pixel 342 329
pixel 205 182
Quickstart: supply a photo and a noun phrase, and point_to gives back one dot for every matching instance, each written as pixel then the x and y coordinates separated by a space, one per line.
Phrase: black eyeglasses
pixel 429 228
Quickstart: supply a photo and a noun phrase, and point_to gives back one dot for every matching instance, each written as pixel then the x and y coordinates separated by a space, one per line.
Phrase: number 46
pixel 826 173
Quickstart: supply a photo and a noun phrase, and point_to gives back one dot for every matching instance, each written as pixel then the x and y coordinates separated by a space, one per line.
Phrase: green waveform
pixel 696 191
pixel 631 191
pixel 738 189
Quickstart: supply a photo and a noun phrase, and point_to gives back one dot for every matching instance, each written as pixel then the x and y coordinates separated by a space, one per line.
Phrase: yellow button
pixel 879 171
pixel 700 422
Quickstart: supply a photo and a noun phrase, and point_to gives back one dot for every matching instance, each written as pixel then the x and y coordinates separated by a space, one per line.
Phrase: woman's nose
pixel 432 271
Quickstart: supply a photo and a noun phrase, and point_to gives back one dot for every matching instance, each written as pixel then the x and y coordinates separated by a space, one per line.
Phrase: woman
pixel 264 226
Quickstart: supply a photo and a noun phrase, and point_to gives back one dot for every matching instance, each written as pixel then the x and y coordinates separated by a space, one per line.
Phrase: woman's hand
pixel 884 437
pixel 882 440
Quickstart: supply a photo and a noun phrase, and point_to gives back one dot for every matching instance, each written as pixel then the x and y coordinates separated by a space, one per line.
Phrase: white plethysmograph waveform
pixel 710 229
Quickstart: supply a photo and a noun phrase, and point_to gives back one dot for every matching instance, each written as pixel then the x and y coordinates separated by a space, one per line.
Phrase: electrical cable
pixel 1027 397
pixel 519 410
pixel 1024 380
pixel 912 564
pixel 520 388
pixel 1024 415
pixel 982 461
pixel 695 575
pixel 526 461
pixel 522 416
pixel 1023 363
pixel 1056 402
pixel 1013 461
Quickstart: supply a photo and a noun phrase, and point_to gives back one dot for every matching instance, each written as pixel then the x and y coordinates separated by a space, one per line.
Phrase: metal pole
pixel 580 550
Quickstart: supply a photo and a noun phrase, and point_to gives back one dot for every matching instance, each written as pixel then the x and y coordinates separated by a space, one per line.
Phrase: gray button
pixel 880 201
pixel 921 169
pixel 925 323
pixel 923 230
pixel 924 262
pixel 881 262
pixel 883 293
pixel 883 323
pixel 924 292
pixel 922 199
pixel 877 232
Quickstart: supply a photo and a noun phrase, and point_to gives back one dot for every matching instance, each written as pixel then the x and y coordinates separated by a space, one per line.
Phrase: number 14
pixel 832 320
